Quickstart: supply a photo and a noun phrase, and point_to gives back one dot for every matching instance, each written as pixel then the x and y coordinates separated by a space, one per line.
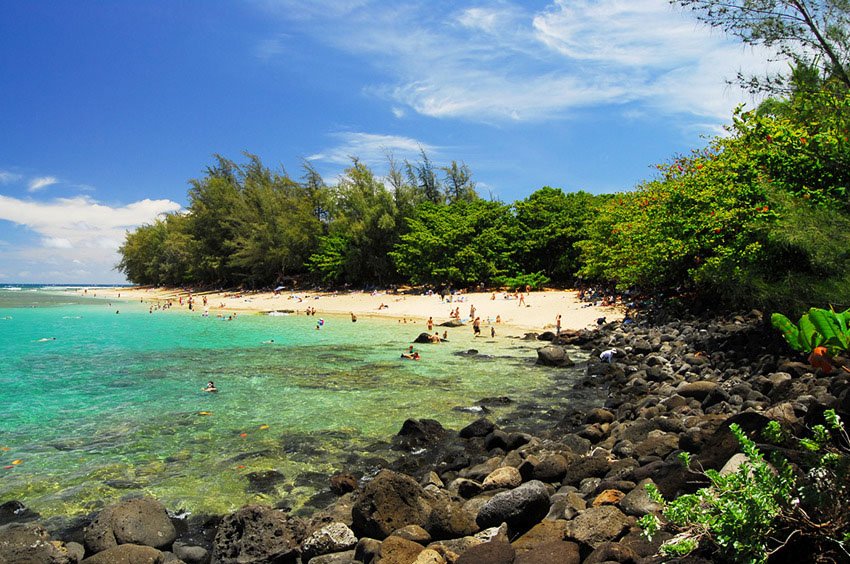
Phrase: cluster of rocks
pixel 490 495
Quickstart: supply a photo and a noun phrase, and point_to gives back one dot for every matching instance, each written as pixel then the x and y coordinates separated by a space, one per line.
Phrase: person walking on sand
pixel 558 325
pixel 521 300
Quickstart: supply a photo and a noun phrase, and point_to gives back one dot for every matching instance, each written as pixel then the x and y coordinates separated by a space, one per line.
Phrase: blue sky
pixel 107 109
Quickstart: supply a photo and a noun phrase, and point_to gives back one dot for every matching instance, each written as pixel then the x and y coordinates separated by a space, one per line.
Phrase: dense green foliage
pixel 246 225
pixel 759 218
pixel 747 512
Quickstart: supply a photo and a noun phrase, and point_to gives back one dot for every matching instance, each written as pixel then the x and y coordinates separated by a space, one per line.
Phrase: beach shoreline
pixel 536 311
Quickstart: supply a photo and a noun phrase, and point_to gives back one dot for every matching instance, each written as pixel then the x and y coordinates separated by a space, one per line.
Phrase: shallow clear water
pixel 114 404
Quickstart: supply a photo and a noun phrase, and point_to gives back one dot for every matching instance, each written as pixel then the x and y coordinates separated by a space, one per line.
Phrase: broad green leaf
pixel 788 330
pixel 829 327
pixel 809 336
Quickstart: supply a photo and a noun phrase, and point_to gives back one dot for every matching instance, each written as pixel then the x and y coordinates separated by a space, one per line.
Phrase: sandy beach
pixel 536 311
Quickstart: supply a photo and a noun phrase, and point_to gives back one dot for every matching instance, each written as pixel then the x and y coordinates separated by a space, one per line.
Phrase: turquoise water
pixel 114 404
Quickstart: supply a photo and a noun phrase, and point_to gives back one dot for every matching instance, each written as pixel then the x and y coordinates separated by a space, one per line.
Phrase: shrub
pixel 750 513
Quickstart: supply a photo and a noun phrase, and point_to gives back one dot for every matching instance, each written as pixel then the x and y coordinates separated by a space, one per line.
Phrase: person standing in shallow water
pixel 476 326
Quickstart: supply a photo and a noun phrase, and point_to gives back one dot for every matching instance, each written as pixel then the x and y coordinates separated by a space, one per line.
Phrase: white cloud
pixel 56 243
pixel 7 177
pixel 75 231
pixel 505 62
pixel 398 112
pixel 37 184
pixel 371 149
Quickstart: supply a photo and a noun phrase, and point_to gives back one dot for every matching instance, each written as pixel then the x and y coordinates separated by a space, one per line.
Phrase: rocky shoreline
pixel 492 493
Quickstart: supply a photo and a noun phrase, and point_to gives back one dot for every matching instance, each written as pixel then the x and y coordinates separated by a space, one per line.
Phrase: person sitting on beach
pixel 210 387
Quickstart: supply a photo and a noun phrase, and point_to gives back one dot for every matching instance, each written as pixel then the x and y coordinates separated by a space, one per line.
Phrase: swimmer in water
pixel 210 387
pixel 269 342
pixel 45 339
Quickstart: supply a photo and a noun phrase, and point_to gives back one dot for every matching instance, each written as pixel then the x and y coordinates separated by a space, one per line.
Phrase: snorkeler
pixel 210 387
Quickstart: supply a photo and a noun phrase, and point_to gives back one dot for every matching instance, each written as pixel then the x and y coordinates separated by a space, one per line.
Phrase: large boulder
pixel 450 519
pixel 126 554
pixel 423 338
pixel 333 537
pixel 554 355
pixel 452 323
pixel 416 433
pixel 257 534
pixel 505 477
pixel 398 550
pixel 390 501
pixel 141 521
pixel 560 551
pixel 638 503
pixel 493 552
pixel 722 444
pixel 30 543
pixel 520 508
pixel 478 428
pixel 16 512
pixel 597 525
pixel 552 468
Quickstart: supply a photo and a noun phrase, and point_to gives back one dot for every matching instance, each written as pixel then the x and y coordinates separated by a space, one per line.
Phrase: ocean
pixel 101 399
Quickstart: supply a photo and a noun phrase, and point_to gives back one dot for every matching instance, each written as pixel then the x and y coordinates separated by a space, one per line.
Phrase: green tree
pixel 809 34
pixel 458 183
pixel 424 176
pixel 362 232
pixel 274 226
pixel 463 243
pixel 140 253
pixel 211 203
pixel 550 223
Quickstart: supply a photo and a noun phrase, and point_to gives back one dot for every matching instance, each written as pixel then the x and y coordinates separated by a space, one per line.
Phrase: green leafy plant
pixel 816 328
pixel 745 513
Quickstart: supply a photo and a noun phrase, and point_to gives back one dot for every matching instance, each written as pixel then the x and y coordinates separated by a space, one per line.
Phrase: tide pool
pixel 103 399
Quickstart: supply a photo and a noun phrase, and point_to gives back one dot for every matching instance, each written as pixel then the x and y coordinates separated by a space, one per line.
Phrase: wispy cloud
pixel 507 62
pixel 7 177
pixel 371 149
pixel 41 182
